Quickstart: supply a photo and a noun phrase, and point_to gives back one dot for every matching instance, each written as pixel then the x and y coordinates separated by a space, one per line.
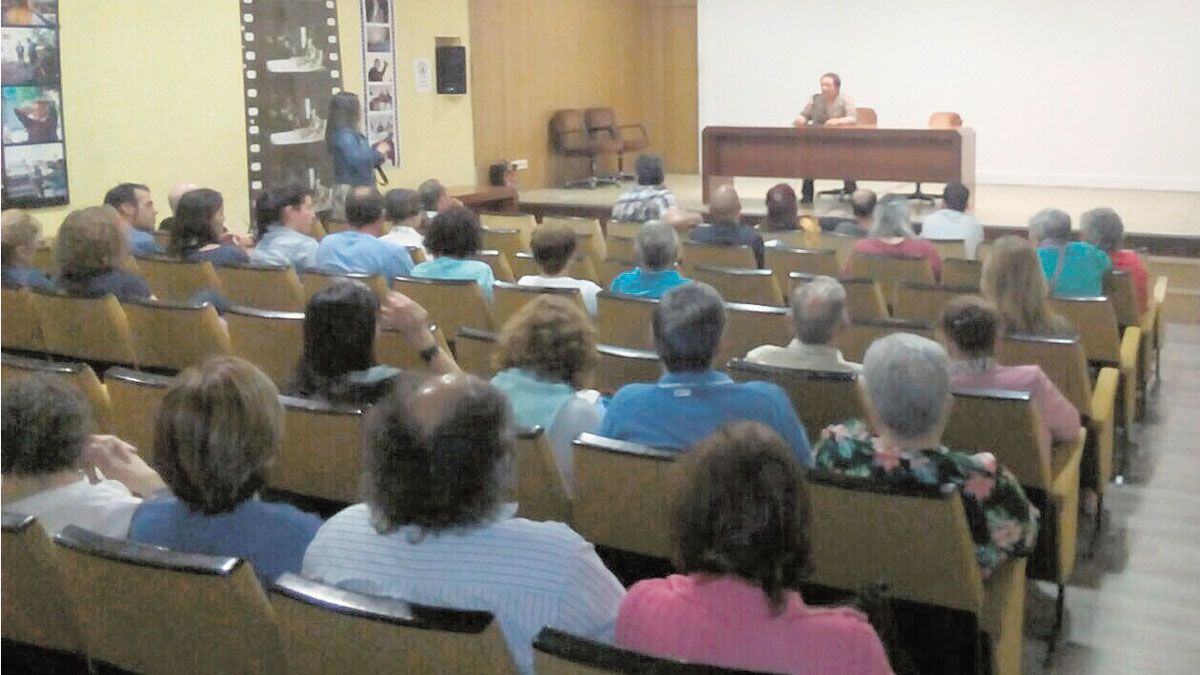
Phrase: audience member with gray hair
pixel 657 247
pixel 819 312
pixel 691 400
pixel 1073 269
pixel 907 381
pixel 1103 228
pixel 892 235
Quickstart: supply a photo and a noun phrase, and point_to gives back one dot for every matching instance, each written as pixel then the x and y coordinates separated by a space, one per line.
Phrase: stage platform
pixel 1163 222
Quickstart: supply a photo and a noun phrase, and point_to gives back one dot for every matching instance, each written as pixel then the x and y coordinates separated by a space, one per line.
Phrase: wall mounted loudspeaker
pixel 451 69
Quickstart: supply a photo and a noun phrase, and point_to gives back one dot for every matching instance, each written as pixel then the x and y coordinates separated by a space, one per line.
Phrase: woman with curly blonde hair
pixel 1013 280
pixel 546 355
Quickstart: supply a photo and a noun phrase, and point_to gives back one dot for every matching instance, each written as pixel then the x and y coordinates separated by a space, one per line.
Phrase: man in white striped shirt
pixel 434 530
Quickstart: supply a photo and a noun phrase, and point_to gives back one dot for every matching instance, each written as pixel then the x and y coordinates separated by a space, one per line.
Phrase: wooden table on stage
pixel 859 153
pixel 486 197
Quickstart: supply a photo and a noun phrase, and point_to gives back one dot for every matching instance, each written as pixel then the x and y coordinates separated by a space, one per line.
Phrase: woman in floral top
pixel 908 385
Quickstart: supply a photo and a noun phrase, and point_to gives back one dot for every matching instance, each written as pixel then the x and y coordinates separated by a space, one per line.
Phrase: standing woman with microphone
pixel 354 159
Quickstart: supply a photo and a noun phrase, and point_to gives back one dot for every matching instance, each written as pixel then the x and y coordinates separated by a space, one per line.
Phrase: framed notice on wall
pixel 34 148
pixel 291 68
pixel 380 119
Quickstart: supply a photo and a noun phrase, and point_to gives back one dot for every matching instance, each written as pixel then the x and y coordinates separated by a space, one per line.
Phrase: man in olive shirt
pixel 829 108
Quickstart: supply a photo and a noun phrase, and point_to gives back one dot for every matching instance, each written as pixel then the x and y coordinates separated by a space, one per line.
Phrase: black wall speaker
pixel 452 69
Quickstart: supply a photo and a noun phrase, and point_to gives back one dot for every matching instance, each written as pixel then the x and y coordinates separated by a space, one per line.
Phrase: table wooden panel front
pixel 860 153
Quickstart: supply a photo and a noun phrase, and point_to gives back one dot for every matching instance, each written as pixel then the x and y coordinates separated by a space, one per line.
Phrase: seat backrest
pixel 316 280
pixel 1118 287
pixel 820 397
pixel 392 349
pixel 36 608
pixel 916 301
pixel 558 653
pixel 451 303
pixel 914 539
pixel 525 222
pixel 961 272
pixel 624 320
pixel 148 610
pixel 611 268
pixel 621 248
pixel 888 270
pixel 275 287
pixel 715 255
pixel 78 374
pixel 622 228
pixel 783 261
pixel 473 351
pixel 19 325
pixel 1095 320
pixel 591 235
pixel 842 244
pixel 619 366
pixel 510 241
pixel 508 299
pixel 624 494
pixel 541 492
pixel 136 399
pixel 854 339
pixel 273 341
pixel 598 119
pixel 499 264
pixel 175 335
pixel 523 265
pixel 1004 423
pixel 945 120
pixel 568 133
pixel 1062 359
pixel 950 248
pixel 177 280
pixel 752 286
pixel 94 329
pixel 325 630
pixel 864 297
pixel 866 117
pixel 748 326
pixel 801 238
pixel 320 454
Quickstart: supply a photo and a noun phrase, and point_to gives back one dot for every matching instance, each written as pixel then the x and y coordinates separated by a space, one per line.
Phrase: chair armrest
pixel 1064 466
pixel 562 138
pixel 639 127
pixel 1159 294
pixel 1104 395
pixel 1130 342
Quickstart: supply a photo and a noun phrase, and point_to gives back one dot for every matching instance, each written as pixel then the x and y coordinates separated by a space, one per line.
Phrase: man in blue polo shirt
pixel 358 248
pixel 692 400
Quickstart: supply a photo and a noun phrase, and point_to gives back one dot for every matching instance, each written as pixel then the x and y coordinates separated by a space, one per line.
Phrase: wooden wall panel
pixel 532 57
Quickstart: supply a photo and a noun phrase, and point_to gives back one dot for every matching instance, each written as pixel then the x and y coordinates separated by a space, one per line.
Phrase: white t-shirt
pixel 589 289
pixel 405 236
pixel 951 224
pixel 104 508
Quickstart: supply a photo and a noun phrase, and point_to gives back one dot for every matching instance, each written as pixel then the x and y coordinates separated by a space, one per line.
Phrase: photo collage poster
pixel 380 118
pixel 292 68
pixel 34 152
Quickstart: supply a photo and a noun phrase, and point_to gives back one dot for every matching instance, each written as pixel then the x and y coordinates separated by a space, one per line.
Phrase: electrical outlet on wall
pixel 519 164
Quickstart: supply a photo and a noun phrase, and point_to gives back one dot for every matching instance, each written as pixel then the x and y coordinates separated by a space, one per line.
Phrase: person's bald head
pixel 438 455
pixel 178 191
pixel 724 206
pixel 863 203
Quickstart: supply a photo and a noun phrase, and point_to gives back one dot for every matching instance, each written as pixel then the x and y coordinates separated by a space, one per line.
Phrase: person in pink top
pixel 1103 229
pixel 968 328
pixel 741 543
pixel 892 234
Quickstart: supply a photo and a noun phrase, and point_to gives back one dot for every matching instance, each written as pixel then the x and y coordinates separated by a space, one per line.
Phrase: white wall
pixel 1103 93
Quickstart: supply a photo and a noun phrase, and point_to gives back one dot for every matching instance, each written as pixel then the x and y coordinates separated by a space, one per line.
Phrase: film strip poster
pixel 34 148
pixel 380 118
pixel 291 69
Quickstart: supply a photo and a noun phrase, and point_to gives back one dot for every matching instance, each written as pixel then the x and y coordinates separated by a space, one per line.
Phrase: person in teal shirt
pixel 657 248
pixel 453 237
pixel 1073 269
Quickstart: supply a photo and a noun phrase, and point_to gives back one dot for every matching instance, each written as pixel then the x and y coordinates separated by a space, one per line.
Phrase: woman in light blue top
pixel 1073 268
pixel 547 352
pixel 657 247
pixel 453 236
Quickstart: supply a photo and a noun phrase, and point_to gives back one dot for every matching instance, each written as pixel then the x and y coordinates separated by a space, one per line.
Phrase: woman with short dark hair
pixel 742 548
pixel 454 236
pixel 217 432
pixel 199 225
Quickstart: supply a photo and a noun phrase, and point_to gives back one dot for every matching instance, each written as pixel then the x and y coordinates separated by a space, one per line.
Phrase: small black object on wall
pixel 451 69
